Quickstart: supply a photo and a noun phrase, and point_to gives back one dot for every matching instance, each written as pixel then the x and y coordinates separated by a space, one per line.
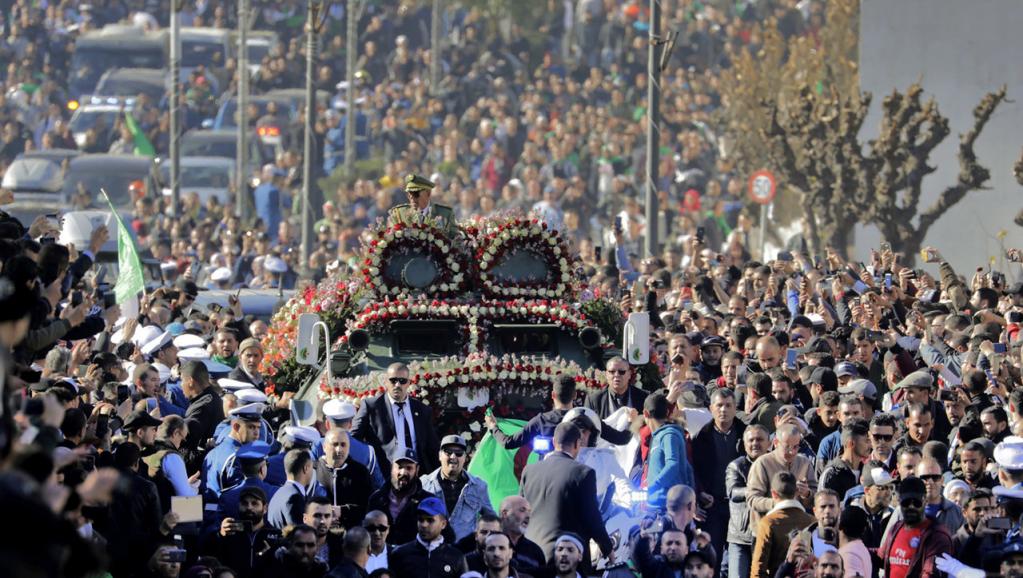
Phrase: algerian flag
pixel 143 147
pixel 496 465
pixel 129 268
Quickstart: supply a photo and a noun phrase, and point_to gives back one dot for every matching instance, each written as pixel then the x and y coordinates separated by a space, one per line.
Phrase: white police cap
pixel 1009 453
pixel 338 410
pixel 302 434
pixel 221 274
pixel 250 395
pixel 193 353
pixel 146 334
pixel 156 344
pixel 247 412
pixel 186 340
pixel 234 385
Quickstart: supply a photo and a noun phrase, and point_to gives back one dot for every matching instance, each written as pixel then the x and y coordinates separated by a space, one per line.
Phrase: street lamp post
pixel 242 167
pixel 312 29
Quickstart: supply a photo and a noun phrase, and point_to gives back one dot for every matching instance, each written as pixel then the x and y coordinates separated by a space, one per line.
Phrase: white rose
pixel 552 241
pixel 374 271
pixel 463 378
pixel 475 427
pixel 443 286
pixel 513 374
pixel 543 292
pixel 454 267
pixel 402 310
pixel 557 250
pixel 502 375
pixel 382 244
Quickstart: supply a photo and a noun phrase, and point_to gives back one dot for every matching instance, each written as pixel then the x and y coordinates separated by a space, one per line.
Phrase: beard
pixel 250 516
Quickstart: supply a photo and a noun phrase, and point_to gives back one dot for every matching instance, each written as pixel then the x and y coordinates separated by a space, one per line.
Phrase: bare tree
pixel 816 146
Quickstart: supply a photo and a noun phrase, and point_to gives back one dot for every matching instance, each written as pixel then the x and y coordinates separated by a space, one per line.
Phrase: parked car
pixel 100 114
pixel 113 173
pixel 208 176
pixel 224 143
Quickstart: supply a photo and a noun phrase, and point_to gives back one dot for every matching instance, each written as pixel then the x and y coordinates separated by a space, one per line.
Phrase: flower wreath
pixel 423 237
pixel 479 314
pixel 495 238
pixel 431 378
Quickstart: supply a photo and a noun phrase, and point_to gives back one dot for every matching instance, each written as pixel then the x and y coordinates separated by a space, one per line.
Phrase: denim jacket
pixel 475 499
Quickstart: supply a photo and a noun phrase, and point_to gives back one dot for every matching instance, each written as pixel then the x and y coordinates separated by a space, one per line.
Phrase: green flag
pixel 143 147
pixel 129 268
pixel 496 465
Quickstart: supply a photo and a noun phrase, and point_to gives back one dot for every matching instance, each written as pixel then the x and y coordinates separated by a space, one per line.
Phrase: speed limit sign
pixel 762 186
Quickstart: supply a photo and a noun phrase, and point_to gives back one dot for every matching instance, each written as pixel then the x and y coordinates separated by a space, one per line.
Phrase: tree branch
pixel 971 174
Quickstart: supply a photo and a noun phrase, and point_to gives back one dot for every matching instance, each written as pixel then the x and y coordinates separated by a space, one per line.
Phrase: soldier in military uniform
pixel 419 207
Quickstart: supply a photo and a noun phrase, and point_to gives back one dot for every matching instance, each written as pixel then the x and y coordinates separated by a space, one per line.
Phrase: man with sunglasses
pixel 618 394
pixel 394 423
pixel 418 208
pixel 378 527
pixel 464 494
pixel 914 542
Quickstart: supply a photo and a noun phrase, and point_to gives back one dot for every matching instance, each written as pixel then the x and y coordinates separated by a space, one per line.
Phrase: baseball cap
pixel 860 387
pixel 453 440
pixel 875 476
pixel 432 507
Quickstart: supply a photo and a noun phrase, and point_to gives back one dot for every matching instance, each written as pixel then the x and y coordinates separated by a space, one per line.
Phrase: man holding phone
pixel 242 542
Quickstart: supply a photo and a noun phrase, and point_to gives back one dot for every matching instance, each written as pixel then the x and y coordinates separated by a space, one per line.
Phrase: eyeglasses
pixel 618 371
pixel 930 477
pixel 882 437
pixel 380 529
pixel 454 453
pixel 398 380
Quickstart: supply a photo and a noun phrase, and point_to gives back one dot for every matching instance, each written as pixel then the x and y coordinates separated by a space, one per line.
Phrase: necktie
pixel 404 423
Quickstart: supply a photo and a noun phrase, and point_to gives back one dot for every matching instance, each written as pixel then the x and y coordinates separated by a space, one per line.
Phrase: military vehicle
pixel 486 320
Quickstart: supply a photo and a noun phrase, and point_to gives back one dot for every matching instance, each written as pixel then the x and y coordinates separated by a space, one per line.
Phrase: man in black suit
pixel 376 422
pixel 287 507
pixel 617 395
pixel 563 493
pixel 205 411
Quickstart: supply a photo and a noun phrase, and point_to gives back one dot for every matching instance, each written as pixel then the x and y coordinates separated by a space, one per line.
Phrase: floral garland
pixel 494 238
pixel 335 300
pixel 425 237
pixel 376 315
pixel 526 375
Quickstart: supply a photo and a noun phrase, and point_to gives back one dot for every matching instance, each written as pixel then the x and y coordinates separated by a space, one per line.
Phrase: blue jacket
pixel 829 449
pixel 267 198
pixel 220 470
pixel 474 500
pixel 668 464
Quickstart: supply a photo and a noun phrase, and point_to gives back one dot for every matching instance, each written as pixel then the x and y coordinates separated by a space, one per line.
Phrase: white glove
pixel 955 568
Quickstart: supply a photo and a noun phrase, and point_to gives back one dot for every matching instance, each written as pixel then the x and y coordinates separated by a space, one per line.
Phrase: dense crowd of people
pixel 820 417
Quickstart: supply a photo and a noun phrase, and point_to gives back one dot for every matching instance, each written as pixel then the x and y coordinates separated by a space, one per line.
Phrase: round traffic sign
pixel 762 186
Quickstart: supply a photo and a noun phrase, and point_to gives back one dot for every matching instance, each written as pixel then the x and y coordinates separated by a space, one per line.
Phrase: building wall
pixel 959 50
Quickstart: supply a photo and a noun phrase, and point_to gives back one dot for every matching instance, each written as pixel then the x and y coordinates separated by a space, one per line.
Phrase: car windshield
pixel 229 115
pixel 207 177
pixel 201 53
pixel 90 62
pixel 203 147
pixel 114 182
pixel 122 86
pixel 86 119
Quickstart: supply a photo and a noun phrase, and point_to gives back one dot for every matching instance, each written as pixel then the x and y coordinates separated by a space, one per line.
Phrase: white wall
pixel 959 49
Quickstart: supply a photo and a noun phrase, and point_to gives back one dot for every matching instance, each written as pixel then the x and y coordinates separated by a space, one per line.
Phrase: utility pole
pixel 242 167
pixel 435 31
pixel 653 128
pixel 312 26
pixel 175 106
pixel 351 46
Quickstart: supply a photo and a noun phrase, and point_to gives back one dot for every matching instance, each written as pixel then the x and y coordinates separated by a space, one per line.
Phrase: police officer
pixel 243 394
pixel 419 207
pixel 221 470
pixel 339 415
pixel 251 458
pixel 292 437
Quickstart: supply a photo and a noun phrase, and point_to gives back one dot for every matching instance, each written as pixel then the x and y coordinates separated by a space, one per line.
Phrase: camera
pixel 543 445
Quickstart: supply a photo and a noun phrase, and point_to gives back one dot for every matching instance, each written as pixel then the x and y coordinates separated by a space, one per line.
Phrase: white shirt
pixel 399 429
pixel 376 561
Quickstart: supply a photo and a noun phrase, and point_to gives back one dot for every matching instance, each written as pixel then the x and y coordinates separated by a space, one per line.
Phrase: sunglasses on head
pixel 398 380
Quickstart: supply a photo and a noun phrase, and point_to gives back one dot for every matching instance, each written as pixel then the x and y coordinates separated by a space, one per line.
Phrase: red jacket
pixel 934 541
